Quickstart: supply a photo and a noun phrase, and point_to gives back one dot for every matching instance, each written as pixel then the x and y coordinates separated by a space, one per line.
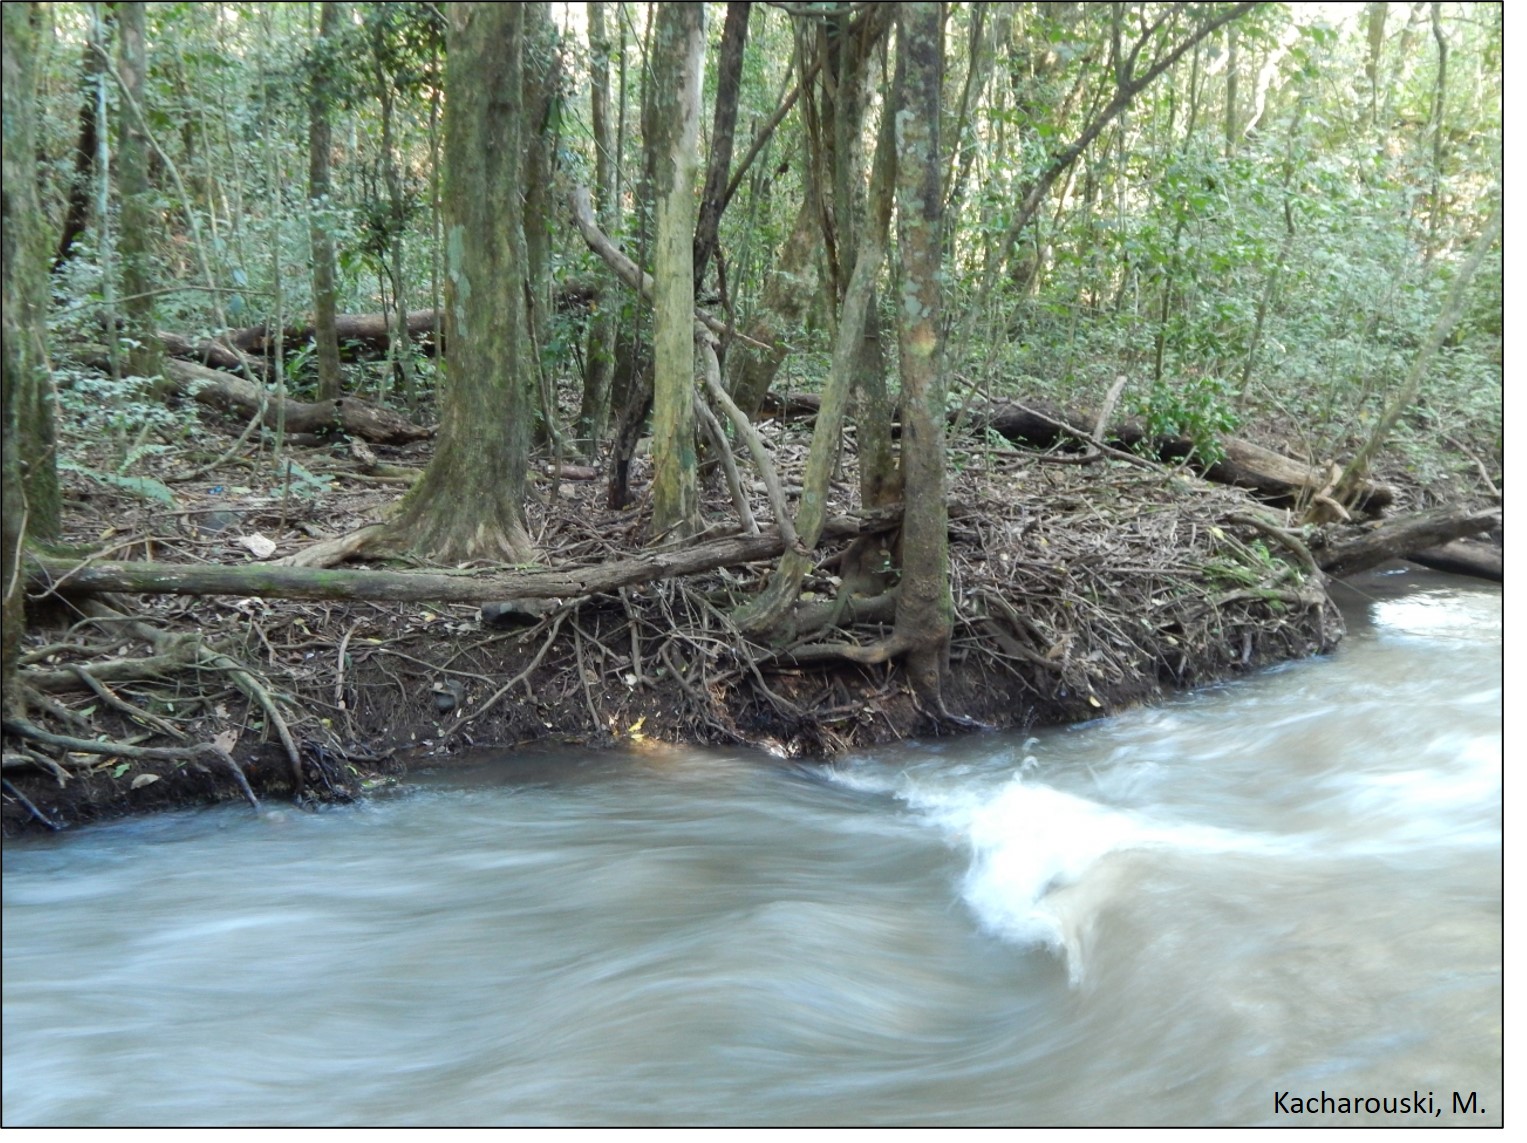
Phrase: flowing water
pixel 1288 885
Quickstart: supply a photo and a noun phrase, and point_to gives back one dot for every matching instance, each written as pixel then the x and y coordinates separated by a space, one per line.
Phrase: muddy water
pixel 1195 914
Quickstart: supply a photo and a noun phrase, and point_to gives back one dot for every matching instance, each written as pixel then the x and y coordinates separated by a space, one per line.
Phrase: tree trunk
pixel 469 504
pixel 320 215
pixel 1410 389
pixel 787 293
pixel 599 358
pixel 25 295
pixel 349 415
pixel 543 79
pixel 1400 537
pixel 140 221
pixel 770 607
pixel 678 58
pixel 734 38
pixel 78 211
pixel 924 610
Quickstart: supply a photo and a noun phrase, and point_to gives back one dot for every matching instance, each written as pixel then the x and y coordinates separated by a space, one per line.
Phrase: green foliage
pixel 1198 408
pixel 145 486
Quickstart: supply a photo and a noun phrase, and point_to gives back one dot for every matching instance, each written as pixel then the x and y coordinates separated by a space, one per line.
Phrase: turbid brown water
pixel 1201 913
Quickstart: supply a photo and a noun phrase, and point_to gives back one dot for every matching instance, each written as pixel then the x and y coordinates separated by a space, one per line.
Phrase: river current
pixel 1281 890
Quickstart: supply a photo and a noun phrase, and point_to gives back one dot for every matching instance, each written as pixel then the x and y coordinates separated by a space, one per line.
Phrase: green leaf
pixel 145 486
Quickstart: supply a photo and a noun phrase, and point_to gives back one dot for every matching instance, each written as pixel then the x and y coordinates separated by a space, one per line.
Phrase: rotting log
pixel 348 415
pixel 1398 538
pixel 267 581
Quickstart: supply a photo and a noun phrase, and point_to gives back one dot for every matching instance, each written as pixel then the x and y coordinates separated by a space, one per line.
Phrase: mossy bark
pixel 469 505
pixel 594 414
pixel 678 57
pixel 140 222
pixel 22 317
pixel 924 611
pixel 320 225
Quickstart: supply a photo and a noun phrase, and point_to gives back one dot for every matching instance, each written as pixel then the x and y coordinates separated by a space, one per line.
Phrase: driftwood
pixel 268 581
pixel 348 415
pixel 1400 537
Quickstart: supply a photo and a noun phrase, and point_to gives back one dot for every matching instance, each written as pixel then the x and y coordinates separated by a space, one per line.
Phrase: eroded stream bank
pixel 1077 592
pixel 1288 884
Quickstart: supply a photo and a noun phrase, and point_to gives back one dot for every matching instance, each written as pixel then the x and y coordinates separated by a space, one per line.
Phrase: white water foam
pixel 1039 872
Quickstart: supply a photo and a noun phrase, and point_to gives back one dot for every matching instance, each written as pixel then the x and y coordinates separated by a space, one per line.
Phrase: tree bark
pixel 320 225
pixel 140 222
pixel 25 295
pixel 924 609
pixel 469 504
pixel 678 58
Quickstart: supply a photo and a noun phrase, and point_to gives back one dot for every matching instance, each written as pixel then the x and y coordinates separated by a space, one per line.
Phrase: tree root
pixel 31 809
pixel 24 729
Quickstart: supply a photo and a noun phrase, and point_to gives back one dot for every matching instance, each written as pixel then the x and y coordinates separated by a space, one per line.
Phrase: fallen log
pixel 1273 477
pixel 1482 559
pixel 267 581
pixel 1398 538
pixel 348 415
pixel 372 330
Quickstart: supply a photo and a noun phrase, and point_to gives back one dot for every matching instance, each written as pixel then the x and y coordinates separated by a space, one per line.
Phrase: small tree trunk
pixel 320 224
pixel 1452 310
pixel 924 609
pixel 139 221
pixel 678 58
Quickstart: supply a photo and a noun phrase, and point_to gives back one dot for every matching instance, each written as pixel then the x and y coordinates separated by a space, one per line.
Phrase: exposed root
pixel 27 802
pixel 26 730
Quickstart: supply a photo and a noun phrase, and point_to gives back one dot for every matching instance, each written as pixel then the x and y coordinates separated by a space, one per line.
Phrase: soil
pixel 1080 590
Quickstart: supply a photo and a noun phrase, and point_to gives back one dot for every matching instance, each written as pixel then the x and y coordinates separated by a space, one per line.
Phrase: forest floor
pixel 1080 589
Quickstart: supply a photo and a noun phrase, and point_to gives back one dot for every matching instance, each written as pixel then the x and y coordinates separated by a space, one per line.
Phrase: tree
pixel 25 362
pixel 678 56
pixel 867 253
pixel 321 64
pixel 600 354
pixel 140 222
pixel 469 504
pixel 924 610
pixel 593 415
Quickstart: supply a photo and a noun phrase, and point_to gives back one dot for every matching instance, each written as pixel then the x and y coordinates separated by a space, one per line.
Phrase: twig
pixel 583 675
pixel 339 679
pixel 27 802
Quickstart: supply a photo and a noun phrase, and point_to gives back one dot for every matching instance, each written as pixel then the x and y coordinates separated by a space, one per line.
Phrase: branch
pixel 632 274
